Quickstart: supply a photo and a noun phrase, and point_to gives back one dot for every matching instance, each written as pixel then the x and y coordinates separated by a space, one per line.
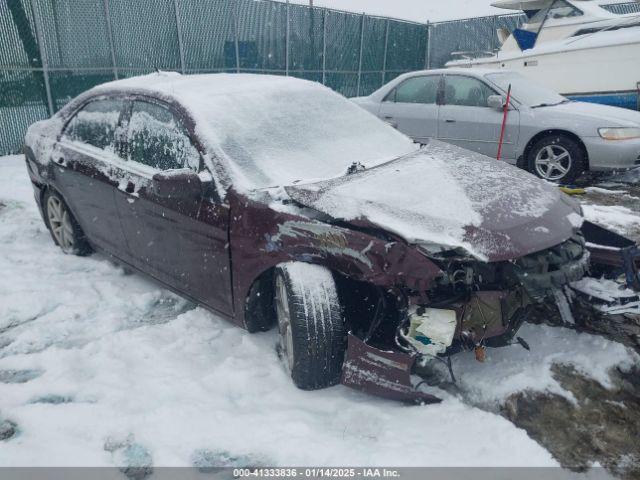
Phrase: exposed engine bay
pixel 472 306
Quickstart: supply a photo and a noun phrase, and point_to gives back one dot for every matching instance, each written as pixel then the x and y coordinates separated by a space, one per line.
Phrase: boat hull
pixel 629 99
pixel 608 74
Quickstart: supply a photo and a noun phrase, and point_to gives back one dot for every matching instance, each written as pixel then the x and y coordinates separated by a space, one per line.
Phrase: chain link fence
pixel 52 50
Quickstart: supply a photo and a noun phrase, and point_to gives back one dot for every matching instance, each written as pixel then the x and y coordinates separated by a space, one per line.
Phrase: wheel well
pixel 524 159
pixel 43 192
pixel 359 300
pixel 259 308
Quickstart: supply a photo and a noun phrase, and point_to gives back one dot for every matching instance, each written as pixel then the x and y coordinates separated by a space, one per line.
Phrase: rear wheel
pixel 557 158
pixel 312 334
pixel 64 229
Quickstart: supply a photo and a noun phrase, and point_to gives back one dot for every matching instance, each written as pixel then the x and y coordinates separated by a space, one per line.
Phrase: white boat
pixel 575 47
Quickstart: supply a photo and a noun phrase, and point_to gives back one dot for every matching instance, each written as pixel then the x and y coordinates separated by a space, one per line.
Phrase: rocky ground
pixel 596 424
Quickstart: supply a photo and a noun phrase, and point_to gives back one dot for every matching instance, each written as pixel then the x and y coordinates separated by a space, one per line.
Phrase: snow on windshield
pixel 281 136
pixel 275 131
pixel 524 90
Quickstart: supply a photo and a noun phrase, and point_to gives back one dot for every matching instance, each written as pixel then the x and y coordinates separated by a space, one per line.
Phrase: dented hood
pixel 443 197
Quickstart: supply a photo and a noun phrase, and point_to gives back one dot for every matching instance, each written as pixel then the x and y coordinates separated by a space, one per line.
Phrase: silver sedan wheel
pixel 60 223
pixel 553 162
pixel 284 321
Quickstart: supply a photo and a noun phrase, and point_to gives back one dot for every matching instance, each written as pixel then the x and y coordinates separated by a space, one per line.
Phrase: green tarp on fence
pixel 51 50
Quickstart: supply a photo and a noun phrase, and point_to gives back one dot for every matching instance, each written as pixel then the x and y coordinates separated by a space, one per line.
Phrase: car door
pixel 467 120
pixel 412 107
pixel 84 159
pixel 181 242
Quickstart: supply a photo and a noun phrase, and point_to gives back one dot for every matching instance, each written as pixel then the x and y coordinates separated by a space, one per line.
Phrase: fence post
pixel 430 27
pixel 179 34
pixel 324 46
pixel 43 56
pixel 384 57
pixel 236 44
pixel 426 47
pixel 286 44
pixel 360 56
pixel 107 13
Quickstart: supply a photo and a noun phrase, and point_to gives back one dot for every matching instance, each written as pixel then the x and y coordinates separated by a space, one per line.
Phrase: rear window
pixel 416 90
pixel 95 124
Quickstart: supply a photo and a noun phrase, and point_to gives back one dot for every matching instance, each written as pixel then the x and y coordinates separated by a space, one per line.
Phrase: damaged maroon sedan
pixel 276 202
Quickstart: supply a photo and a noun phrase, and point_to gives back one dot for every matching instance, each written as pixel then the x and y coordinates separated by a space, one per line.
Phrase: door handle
pixel 449 120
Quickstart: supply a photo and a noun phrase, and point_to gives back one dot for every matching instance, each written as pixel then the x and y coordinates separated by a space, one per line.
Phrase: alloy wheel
pixel 284 321
pixel 553 162
pixel 60 223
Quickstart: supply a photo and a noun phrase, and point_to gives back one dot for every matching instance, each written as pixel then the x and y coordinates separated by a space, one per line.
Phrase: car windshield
pixel 526 91
pixel 304 132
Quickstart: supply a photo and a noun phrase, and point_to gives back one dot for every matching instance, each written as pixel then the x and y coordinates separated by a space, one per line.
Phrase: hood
pixel 443 197
pixel 606 115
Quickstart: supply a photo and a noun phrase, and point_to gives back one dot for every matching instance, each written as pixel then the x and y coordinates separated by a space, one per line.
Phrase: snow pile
pixel 100 368
pixel 274 130
pixel 616 217
pixel 513 369
pixel 603 289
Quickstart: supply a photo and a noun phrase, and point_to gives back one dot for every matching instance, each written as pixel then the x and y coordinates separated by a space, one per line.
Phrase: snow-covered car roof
pixel 273 130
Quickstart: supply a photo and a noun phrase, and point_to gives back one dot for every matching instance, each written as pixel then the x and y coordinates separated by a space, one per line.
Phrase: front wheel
pixel 312 334
pixel 557 158
pixel 64 229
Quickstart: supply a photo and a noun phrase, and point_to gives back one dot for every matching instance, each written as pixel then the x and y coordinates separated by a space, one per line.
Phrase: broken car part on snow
pixel 372 256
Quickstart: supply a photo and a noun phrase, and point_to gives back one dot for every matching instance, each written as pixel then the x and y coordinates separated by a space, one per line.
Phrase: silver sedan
pixel 547 134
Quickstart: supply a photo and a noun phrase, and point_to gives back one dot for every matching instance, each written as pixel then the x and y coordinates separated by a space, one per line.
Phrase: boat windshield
pixel 526 91
pixel 557 10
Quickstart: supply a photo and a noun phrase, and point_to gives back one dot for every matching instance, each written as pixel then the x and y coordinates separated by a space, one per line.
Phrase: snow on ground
pixel 100 367
pixel 512 369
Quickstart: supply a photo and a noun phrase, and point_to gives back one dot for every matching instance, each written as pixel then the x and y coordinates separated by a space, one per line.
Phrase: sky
pixel 415 10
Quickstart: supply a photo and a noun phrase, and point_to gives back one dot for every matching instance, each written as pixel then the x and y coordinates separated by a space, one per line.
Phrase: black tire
pixel 314 351
pixel 575 163
pixel 62 225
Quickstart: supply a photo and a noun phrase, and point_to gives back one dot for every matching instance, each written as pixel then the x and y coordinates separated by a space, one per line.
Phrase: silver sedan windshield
pixel 524 90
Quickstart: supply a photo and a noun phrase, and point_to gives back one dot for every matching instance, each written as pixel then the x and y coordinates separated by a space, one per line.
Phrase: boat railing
pixel 472 55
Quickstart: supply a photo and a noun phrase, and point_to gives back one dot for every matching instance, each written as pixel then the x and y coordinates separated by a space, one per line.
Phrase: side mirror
pixel 496 101
pixel 180 184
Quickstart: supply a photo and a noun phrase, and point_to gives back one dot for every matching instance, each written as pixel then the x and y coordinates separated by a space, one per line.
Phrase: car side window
pixel 416 90
pixel 466 91
pixel 96 123
pixel 158 139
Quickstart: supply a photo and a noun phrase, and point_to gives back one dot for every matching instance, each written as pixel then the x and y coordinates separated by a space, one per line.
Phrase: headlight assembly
pixel 622 133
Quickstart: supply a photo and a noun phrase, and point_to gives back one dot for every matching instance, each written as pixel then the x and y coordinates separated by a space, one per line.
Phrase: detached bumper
pixel 607 155
pixel 383 373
